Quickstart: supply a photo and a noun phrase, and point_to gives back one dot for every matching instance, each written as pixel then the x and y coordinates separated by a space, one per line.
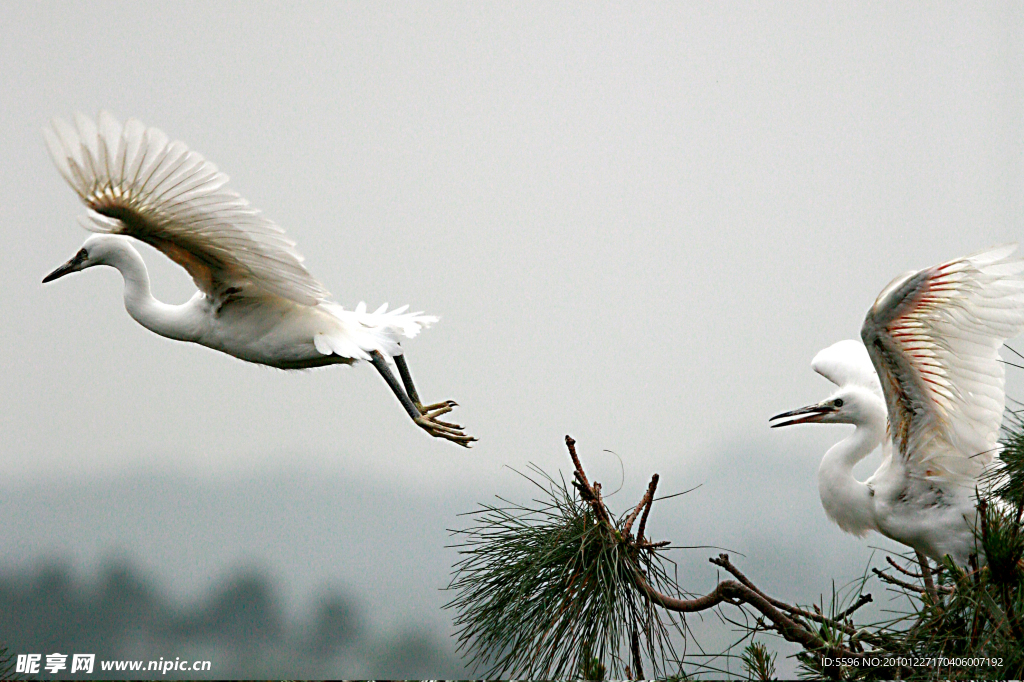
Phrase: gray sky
pixel 637 223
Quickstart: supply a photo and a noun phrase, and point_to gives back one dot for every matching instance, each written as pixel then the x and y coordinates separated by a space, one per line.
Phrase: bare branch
pixel 908 586
pixel 723 561
pixel 864 599
pixel 737 594
pixel 901 569
pixel 926 573
pixel 589 492
pixel 645 504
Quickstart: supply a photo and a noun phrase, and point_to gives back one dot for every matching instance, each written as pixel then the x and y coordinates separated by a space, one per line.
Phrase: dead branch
pixel 908 586
pixel 926 573
pixel 589 493
pixel 864 599
pixel 645 504
pixel 902 570
pixel 739 592
pixel 723 561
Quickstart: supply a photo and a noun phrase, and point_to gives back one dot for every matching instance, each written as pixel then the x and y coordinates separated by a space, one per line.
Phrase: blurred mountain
pixel 239 626
pixel 296 574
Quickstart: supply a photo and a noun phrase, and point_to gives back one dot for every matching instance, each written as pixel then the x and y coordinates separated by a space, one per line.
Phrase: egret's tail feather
pixel 361 333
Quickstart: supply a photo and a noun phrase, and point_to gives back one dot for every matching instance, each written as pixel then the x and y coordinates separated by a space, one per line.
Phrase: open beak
pixel 805 415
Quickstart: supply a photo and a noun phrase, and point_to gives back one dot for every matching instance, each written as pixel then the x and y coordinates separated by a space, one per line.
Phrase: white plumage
pixel 256 301
pixel 926 384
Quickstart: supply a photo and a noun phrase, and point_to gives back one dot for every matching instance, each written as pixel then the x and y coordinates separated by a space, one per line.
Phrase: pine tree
pixel 562 588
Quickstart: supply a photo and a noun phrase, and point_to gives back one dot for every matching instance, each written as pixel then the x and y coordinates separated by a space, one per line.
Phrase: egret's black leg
pixel 382 366
pixel 410 389
pixel 425 417
pixel 403 370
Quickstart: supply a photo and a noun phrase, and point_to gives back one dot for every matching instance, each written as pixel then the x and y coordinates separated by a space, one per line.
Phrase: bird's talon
pixel 437 413
pixel 440 429
pixel 436 406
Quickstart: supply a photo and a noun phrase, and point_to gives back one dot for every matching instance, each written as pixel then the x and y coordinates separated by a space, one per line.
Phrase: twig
pixel 647 508
pixel 589 493
pixel 926 573
pixel 723 561
pixel 638 668
pixel 905 585
pixel 645 504
pixel 901 569
pixel 864 599
pixel 571 444
pixel 736 593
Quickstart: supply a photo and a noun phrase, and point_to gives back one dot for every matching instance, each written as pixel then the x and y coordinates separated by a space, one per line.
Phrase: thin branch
pixel 926 573
pixel 723 561
pixel 902 570
pixel 571 444
pixel 645 504
pixel 737 594
pixel 638 668
pixel 1013 350
pixel 907 586
pixel 647 508
pixel 864 599
pixel 589 493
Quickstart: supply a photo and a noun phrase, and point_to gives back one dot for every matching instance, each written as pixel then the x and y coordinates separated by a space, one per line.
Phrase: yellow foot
pixel 429 422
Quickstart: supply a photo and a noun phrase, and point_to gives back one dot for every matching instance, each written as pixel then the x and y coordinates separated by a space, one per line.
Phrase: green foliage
pixel 1002 542
pixel 591 667
pixel 1007 482
pixel 546 590
pixel 7 665
pixel 969 633
pixel 758 662
pixel 553 590
pixel 973 626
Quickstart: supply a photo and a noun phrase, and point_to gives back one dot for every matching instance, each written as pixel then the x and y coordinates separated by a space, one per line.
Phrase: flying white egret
pixel 256 301
pixel 926 384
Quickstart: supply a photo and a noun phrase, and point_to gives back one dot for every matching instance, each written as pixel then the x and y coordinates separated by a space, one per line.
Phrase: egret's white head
pixel 849 405
pixel 97 250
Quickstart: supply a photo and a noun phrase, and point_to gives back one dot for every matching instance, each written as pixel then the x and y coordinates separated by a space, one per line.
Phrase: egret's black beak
pixel 805 415
pixel 61 271
pixel 70 266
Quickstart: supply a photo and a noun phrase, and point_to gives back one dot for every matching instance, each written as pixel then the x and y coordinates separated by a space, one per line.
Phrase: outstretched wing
pixel 934 338
pixel 137 183
pixel 845 363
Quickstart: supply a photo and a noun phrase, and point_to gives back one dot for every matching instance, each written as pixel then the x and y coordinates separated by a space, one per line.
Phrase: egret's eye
pixel 838 402
pixel 81 255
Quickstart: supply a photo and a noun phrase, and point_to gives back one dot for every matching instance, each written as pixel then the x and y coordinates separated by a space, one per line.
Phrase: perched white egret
pixel 256 301
pixel 926 384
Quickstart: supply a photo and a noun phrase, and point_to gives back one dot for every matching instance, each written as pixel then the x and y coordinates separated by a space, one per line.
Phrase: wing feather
pixel 934 338
pixel 136 182
pixel 847 362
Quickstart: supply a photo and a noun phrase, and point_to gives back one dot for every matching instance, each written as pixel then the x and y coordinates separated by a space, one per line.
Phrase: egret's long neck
pixel 846 500
pixel 166 320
